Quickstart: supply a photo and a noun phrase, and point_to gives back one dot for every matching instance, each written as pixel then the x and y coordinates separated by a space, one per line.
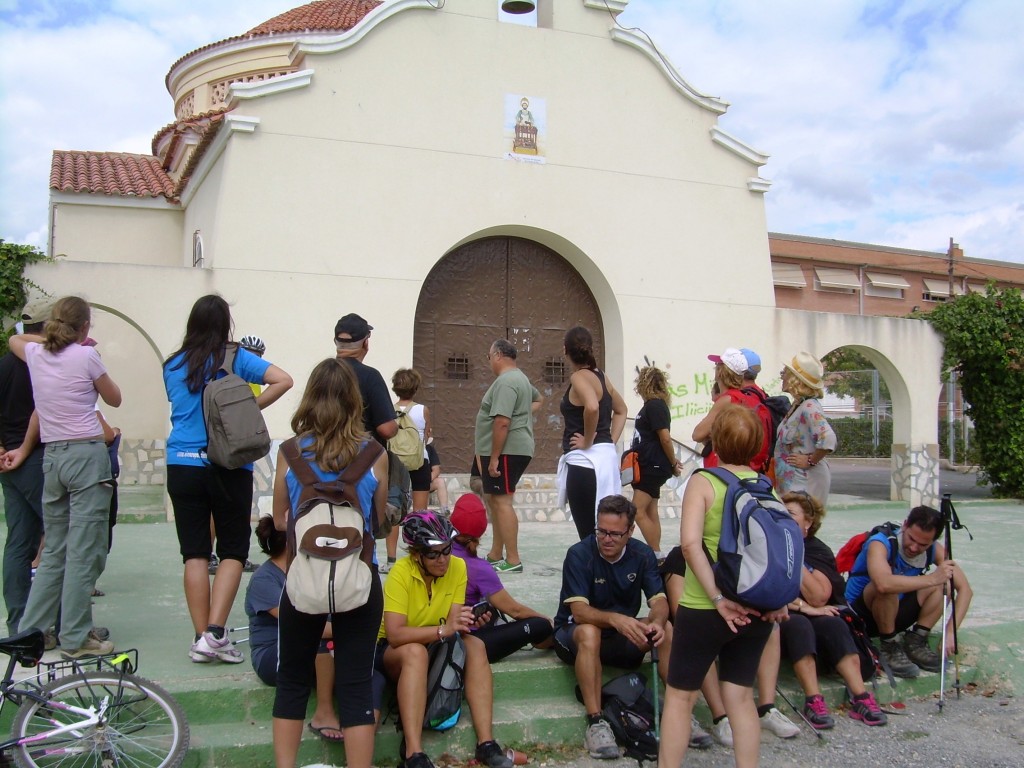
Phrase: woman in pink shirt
pixel 66 379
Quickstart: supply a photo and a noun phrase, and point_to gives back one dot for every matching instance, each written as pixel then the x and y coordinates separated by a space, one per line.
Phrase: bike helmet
pixel 253 344
pixel 425 529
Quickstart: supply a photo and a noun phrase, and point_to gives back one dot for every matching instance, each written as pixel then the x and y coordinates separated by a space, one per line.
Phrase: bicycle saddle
pixel 25 646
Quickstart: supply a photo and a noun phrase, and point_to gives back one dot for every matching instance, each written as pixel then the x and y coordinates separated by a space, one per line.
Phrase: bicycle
pixel 88 713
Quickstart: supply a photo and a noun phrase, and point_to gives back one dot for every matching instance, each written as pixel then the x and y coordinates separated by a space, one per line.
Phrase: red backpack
pixel 749 397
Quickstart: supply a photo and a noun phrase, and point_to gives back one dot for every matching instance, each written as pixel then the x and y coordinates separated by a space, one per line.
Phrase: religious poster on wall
pixel 525 128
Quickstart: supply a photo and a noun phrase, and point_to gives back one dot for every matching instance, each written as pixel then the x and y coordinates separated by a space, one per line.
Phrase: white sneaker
pixel 196 656
pixel 600 741
pixel 722 732
pixel 222 650
pixel 779 724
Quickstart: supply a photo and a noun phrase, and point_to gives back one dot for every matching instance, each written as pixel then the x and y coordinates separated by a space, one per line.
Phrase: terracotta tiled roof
pixel 323 15
pixel 318 16
pixel 194 121
pixel 110 173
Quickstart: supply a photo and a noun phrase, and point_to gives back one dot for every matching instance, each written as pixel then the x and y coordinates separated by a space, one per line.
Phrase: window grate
pixel 457 367
pixel 554 371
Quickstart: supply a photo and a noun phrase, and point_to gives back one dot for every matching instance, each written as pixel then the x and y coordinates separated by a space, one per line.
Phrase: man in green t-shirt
pixel 504 447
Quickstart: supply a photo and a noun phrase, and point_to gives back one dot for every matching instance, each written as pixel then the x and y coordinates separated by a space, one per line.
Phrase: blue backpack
pixel 760 550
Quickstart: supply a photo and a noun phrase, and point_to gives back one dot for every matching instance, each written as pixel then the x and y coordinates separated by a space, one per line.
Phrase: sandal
pixel 323 732
pixel 98 593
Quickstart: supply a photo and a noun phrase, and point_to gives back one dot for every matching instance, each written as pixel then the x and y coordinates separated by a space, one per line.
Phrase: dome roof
pixel 318 16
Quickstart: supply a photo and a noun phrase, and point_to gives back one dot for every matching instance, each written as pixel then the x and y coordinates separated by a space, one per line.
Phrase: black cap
pixel 354 326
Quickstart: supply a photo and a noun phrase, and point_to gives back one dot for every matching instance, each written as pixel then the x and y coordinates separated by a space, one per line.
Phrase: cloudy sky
pixel 898 122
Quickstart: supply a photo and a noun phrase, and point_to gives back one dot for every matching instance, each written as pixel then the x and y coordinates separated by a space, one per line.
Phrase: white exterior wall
pixel 115 230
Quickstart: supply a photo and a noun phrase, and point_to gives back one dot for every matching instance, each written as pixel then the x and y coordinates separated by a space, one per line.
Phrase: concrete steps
pixel 534 704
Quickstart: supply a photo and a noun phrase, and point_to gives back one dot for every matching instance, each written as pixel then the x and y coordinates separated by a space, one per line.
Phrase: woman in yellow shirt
pixel 424 601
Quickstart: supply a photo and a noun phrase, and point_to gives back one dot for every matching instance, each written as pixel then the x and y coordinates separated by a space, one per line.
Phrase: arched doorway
pixel 499 287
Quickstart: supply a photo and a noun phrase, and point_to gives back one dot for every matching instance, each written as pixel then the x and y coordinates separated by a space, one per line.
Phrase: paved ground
pixel 869 479
pixel 143 608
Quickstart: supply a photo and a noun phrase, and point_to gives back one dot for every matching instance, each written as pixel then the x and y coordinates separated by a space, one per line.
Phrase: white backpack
pixel 330 547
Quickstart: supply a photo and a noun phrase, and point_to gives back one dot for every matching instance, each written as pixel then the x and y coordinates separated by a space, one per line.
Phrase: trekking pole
pixel 952 521
pixel 654 682
pixel 942 667
pixel 803 717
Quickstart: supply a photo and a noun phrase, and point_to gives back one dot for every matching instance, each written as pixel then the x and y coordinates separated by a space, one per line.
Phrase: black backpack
pixel 628 706
pixel 870 662
pixel 446 680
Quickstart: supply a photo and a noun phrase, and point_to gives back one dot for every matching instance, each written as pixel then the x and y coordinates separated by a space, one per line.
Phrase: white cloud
pixel 899 123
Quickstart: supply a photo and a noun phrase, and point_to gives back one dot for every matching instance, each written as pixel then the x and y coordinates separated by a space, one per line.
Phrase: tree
pixel 14 286
pixel 984 339
pixel 845 359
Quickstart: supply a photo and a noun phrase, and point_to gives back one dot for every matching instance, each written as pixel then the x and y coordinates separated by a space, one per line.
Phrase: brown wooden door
pixel 502 287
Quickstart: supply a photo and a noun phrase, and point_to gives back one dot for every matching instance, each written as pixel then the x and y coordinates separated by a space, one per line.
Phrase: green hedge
pixel 855 440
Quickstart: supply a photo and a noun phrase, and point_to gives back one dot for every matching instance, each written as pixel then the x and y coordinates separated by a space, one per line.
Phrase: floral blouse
pixel 804 431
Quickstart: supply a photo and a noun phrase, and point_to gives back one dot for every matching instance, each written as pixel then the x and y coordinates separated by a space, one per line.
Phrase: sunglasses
pixel 433 554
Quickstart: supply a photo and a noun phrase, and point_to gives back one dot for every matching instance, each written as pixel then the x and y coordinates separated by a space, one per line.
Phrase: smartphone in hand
pixel 480 609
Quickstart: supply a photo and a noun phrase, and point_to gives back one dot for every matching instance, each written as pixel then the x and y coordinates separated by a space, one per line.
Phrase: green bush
pixel 855 439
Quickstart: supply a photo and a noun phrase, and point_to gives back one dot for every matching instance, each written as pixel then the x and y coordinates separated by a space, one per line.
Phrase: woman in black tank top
pixel 594 414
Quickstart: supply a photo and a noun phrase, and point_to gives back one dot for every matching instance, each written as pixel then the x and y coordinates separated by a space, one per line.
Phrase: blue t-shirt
pixel 855 585
pixel 187 442
pixel 365 488
pixel 263 594
pixel 614 587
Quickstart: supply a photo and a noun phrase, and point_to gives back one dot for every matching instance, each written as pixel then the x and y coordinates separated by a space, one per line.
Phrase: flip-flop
pixel 322 732
pixel 98 593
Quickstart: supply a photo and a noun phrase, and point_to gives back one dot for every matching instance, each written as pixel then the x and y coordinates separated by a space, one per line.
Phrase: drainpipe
pixel 860 293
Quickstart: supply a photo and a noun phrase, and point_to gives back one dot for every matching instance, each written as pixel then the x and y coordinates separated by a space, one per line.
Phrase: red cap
pixel 469 517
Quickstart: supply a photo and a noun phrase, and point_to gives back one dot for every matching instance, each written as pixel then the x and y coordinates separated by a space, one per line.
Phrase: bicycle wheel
pixel 142 727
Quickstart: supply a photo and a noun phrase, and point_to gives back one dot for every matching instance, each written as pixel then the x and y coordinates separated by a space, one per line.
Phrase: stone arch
pixel 908 354
pixel 498 285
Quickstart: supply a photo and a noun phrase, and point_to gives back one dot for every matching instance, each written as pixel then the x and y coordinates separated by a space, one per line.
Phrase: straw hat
pixel 808 369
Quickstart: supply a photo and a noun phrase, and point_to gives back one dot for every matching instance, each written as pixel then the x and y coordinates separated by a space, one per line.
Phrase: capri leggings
pixel 355 634
pixel 197 493
pixel 502 640
pixel 701 635
pixel 581 493
pixel 825 637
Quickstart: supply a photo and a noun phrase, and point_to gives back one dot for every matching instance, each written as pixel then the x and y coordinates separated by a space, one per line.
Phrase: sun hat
pixel 469 517
pixel 732 359
pixel 808 369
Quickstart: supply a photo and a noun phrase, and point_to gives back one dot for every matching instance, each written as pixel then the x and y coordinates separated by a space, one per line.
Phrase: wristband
pixel 718 598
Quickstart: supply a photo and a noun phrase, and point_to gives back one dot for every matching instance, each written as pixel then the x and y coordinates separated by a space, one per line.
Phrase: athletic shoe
pixel 418 760
pixel 506 567
pixel 722 732
pixel 90 649
pixel 99 633
pixel 919 652
pixel 249 567
pixel 867 711
pixel 196 656
pixel 779 724
pixel 386 566
pixel 489 753
pixel 892 654
pixel 222 649
pixel 600 741
pixel 816 713
pixel 699 738
pixel 494 563
pixel 49 640
pixel 212 568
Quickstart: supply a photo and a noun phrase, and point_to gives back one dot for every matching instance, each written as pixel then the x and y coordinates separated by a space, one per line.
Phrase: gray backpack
pixel 236 434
